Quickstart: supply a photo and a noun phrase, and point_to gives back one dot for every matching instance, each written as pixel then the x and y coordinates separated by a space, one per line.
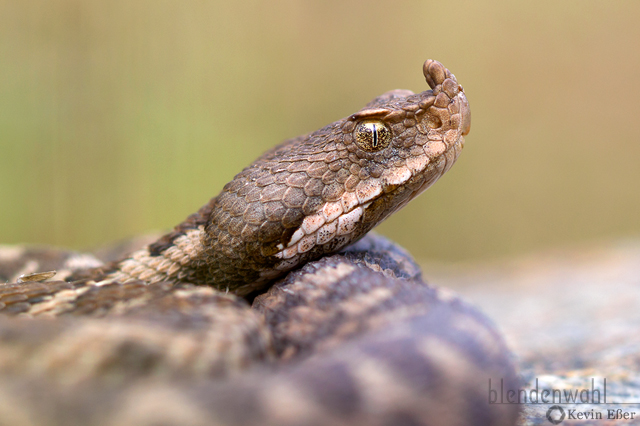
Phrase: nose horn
pixel 436 73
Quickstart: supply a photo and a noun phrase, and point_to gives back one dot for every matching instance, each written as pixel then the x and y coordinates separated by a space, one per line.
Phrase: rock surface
pixel 572 319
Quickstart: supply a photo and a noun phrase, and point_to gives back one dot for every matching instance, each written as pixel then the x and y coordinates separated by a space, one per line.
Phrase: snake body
pixel 164 336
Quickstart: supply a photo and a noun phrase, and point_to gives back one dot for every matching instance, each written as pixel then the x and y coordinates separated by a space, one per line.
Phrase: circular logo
pixel 553 417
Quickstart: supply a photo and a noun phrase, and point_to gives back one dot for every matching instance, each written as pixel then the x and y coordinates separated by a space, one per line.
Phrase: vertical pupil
pixel 374 133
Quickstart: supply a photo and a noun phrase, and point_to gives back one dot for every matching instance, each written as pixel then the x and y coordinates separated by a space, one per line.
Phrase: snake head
pixel 315 194
pixel 401 142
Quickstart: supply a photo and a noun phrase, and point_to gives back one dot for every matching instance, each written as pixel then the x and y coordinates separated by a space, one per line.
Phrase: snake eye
pixel 372 135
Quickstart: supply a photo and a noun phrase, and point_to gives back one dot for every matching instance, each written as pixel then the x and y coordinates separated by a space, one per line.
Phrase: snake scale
pixel 269 306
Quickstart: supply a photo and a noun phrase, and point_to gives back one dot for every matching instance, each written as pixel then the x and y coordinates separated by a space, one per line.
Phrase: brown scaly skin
pixel 351 339
pixel 314 194
pixel 355 338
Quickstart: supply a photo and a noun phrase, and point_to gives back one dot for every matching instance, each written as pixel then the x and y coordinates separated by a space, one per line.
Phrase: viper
pixel 271 304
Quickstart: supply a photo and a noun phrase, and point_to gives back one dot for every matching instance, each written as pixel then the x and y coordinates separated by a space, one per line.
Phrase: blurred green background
pixel 119 117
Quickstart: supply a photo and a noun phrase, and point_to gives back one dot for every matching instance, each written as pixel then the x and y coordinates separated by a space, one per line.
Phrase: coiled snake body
pixel 165 336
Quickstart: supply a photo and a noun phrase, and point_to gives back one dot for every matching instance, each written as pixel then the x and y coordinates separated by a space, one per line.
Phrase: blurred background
pixel 122 117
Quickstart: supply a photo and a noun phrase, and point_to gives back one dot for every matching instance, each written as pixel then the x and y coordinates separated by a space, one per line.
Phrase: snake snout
pixel 440 79
pixel 435 73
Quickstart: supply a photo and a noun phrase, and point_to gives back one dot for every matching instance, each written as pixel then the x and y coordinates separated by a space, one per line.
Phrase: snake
pixel 273 304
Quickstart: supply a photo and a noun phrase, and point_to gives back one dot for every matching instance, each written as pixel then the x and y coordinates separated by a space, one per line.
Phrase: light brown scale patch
pixel 349 201
pixel 417 163
pixel 379 384
pixel 141 265
pixel 331 211
pixel 11 253
pixel 435 149
pixel 327 232
pixel 347 222
pixel 152 404
pixel 396 176
pixel 58 303
pixel 312 223
pixel 368 190
pixel 299 405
